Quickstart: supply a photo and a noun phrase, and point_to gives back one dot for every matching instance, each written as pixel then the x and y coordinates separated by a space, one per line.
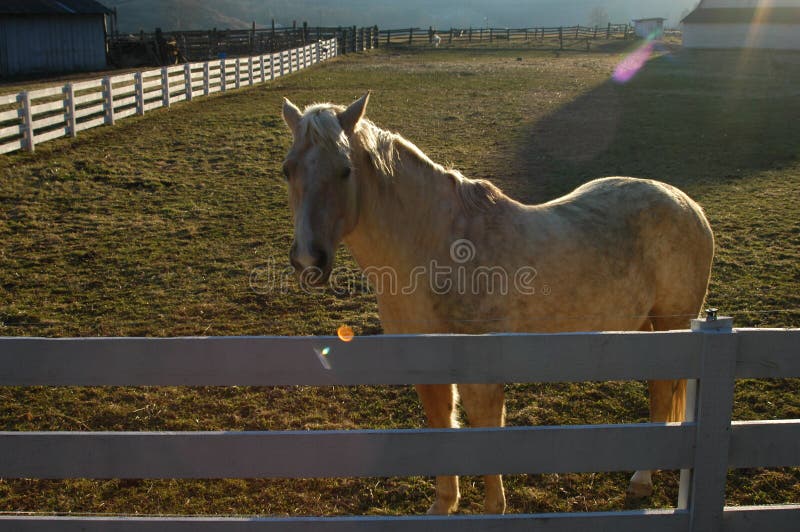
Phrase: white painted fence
pixel 704 448
pixel 34 117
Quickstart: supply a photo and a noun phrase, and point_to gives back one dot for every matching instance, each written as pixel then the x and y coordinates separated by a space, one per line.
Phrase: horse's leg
pixel 484 405
pixel 667 403
pixel 439 401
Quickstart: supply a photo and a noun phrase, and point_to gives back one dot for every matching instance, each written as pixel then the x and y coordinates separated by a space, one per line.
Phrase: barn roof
pixel 747 15
pixel 52 7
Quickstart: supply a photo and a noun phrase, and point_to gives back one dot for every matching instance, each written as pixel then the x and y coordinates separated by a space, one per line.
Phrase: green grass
pixel 153 228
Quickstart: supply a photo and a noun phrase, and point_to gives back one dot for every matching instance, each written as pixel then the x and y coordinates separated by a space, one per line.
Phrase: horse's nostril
pixel 320 258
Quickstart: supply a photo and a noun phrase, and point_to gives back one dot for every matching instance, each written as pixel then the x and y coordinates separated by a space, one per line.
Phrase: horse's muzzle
pixel 312 269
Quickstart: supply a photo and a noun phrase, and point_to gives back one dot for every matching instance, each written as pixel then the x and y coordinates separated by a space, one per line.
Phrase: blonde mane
pixel 388 151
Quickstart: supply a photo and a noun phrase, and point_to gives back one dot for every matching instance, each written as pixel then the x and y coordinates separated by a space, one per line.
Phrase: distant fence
pixel 206 45
pixel 30 118
pixel 561 36
pixel 703 448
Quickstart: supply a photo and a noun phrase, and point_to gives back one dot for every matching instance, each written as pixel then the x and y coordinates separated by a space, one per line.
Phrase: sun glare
pixel 345 333
pixel 633 62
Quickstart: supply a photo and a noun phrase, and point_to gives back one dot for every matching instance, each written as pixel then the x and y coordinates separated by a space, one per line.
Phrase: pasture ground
pixel 153 227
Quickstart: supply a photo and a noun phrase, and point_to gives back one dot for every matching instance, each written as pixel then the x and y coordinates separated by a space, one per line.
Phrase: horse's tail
pixel 677 412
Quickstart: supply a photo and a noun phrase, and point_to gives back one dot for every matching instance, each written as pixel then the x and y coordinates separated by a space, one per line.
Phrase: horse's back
pixel 622 245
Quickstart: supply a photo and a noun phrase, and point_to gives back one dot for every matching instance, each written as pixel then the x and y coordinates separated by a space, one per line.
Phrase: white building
pixel 768 24
pixel 649 27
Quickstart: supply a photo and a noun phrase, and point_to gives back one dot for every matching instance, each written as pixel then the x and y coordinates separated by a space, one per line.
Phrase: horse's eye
pixel 286 172
pixel 346 172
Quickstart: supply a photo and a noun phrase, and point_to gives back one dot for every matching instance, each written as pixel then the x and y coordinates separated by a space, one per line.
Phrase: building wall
pixel 650 27
pixel 41 44
pixel 770 36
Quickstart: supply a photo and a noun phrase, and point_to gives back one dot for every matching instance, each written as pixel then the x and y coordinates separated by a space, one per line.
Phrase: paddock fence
pixel 32 117
pixel 561 37
pixel 207 45
pixel 712 355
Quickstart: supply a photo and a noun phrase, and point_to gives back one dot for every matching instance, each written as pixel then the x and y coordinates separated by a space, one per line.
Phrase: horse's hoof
pixel 495 507
pixel 442 508
pixel 639 491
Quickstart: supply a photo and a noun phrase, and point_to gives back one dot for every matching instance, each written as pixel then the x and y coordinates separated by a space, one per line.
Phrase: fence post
pixel 608 31
pixel 139 82
pixel 72 122
pixel 27 121
pixel 187 74
pixel 250 69
pixel 702 489
pixel 318 51
pixel 410 36
pixel 283 72
pixel 223 81
pixel 261 65
pixel 388 37
pixel 206 78
pixel 237 74
pixel 561 37
pixel 491 34
pixel 108 96
pixel 271 66
pixel 165 86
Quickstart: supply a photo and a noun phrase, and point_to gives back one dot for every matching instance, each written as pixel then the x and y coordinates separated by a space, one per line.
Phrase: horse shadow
pixel 689 119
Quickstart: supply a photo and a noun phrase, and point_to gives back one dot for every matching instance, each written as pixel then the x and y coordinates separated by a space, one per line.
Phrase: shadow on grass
pixel 687 119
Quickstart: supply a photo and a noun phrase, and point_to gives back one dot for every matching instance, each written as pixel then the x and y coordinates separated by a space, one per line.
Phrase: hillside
pixel 206 14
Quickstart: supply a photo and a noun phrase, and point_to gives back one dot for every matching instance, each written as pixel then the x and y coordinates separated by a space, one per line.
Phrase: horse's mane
pixel 388 151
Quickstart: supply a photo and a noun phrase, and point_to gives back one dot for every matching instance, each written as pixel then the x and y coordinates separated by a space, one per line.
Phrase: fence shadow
pixel 686 118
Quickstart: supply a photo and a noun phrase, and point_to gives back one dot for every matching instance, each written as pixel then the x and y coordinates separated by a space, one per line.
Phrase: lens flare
pixel 633 62
pixel 345 333
pixel 322 355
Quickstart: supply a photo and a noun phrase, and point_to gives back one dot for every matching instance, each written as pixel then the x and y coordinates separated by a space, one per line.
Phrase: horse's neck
pixel 403 218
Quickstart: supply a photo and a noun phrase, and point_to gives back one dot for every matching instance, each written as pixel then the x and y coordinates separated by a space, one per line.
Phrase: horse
pixel 617 253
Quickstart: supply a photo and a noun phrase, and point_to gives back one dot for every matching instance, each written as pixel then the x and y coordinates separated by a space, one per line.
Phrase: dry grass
pixel 153 227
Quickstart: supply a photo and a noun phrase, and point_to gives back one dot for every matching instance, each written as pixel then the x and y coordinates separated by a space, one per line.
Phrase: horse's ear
pixel 291 114
pixel 349 118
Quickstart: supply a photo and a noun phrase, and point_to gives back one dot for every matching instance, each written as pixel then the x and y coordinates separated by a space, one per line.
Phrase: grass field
pixel 153 228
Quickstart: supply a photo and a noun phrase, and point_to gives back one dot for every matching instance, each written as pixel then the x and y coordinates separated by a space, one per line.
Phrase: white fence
pixel 31 118
pixel 704 447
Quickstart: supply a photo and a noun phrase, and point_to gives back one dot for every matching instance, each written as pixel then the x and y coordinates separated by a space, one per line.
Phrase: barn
pixel 743 24
pixel 43 36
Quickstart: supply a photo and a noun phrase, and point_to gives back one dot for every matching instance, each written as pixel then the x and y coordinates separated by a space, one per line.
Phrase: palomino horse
pixel 615 254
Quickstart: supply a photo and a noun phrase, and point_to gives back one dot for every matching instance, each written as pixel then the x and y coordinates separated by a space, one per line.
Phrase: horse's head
pixel 323 192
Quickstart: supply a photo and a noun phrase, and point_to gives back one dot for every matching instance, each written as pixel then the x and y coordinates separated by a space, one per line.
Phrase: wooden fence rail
pixel 30 118
pixel 562 36
pixel 712 356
